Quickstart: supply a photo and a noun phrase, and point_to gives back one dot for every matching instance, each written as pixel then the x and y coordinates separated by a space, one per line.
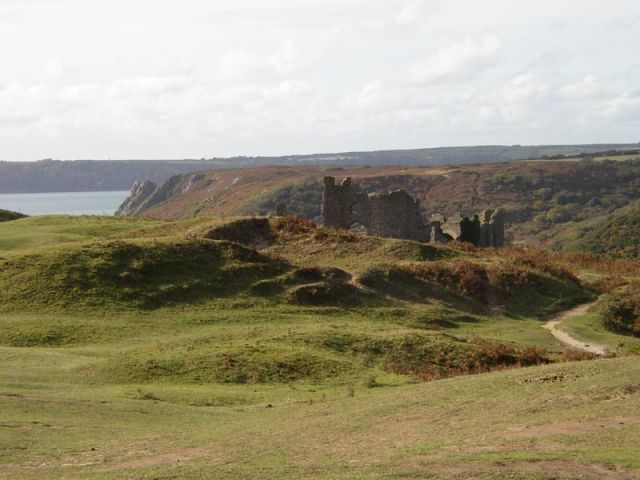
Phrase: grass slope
pixel 617 235
pixel 268 348
pixel 563 421
pixel 39 231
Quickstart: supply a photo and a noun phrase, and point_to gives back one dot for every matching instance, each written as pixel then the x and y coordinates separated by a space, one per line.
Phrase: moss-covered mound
pixel 134 273
pixel 207 363
pixel 516 288
pixel 311 357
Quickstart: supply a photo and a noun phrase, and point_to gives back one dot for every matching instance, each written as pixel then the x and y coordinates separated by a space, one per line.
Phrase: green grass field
pixel 144 350
pixel 589 328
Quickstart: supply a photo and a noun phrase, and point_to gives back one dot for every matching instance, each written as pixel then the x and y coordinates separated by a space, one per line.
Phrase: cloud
pixel 285 59
pixel 153 79
pixel 592 87
pixel 151 107
pixel 626 105
pixel 369 95
pixel 241 64
pixel 456 63
pixel 409 13
pixel 603 98
pixel 524 88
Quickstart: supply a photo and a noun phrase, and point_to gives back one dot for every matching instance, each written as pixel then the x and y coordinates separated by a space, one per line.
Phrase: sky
pixel 156 79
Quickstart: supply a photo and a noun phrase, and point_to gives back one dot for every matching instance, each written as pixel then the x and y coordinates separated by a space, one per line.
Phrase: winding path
pixel 567 339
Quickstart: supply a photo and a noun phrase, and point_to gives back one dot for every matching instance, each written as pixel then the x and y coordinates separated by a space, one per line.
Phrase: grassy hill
pixel 7 215
pixel 270 348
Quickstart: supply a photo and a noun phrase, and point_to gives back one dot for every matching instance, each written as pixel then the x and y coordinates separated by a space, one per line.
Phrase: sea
pixel 63 203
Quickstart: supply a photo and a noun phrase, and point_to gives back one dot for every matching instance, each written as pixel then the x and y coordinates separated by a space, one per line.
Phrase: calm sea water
pixel 65 203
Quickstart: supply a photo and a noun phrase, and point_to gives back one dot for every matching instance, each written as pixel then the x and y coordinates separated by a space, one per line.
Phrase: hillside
pixel 7 215
pixel 105 175
pixel 540 198
pixel 617 235
pixel 89 176
pixel 148 349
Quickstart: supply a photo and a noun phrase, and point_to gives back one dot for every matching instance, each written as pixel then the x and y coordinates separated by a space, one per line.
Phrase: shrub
pixel 543 261
pixel 426 359
pixel 608 284
pixel 494 355
pixel 465 278
pixel 507 279
pixel 575 355
pixel 621 314
pixel 292 225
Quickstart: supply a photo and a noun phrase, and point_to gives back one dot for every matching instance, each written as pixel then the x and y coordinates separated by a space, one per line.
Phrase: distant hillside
pixel 617 235
pixel 7 215
pixel 88 176
pixel 104 175
pixel 539 196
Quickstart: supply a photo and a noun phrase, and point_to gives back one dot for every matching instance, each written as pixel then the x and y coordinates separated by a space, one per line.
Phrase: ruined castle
pixel 398 215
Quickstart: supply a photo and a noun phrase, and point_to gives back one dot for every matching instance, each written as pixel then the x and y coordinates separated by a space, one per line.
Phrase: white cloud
pixel 592 87
pixel 236 63
pixel 409 13
pixel 285 59
pixel 525 87
pixel 239 64
pixel 603 98
pixel 625 105
pixel 456 63
pixel 162 78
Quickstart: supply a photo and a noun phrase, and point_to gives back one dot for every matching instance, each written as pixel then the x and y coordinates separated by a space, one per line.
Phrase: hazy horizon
pixel 301 154
pixel 194 79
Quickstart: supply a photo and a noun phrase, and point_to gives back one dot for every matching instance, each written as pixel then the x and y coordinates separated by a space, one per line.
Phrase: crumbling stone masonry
pixel 491 228
pixel 338 202
pixel 395 214
pixel 398 215
pixel 484 230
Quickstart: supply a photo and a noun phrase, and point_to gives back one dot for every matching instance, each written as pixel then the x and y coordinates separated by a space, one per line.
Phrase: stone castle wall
pixel 395 214
pixel 483 230
pixel 398 215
